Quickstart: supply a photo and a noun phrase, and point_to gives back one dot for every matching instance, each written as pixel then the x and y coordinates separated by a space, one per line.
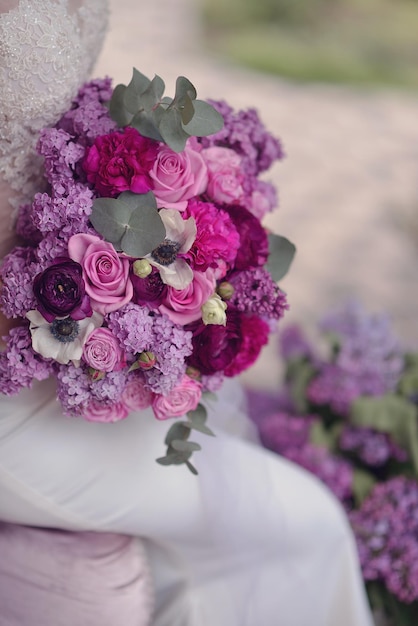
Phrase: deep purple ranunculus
pixel 59 291
pixel 254 246
pixel 150 290
pixel 215 346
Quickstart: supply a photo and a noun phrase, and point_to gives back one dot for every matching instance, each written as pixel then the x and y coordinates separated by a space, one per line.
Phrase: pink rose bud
pixel 146 360
pixel 225 290
pixel 96 374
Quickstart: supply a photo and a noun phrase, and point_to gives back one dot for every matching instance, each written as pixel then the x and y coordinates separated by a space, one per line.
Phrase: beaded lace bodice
pixel 47 49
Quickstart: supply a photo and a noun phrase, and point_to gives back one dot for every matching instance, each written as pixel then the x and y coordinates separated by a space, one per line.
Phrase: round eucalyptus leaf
pixel 117 109
pixel 172 131
pixel 206 120
pixel 281 254
pixel 180 445
pixel 144 232
pixel 110 218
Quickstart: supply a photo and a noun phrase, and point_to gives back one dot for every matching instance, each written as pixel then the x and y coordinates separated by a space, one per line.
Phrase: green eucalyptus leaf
pixel 181 445
pixel 179 430
pixel 152 94
pixel 131 222
pixel 173 458
pixel 184 88
pixel 109 217
pixel 172 131
pixel 147 123
pixel 192 468
pixel 117 109
pixel 281 254
pixel 198 419
pixel 144 232
pixel 206 120
pixel 408 384
pixel 132 98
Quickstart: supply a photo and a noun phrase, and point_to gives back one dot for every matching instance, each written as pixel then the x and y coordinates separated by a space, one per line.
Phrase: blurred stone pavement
pixel 348 186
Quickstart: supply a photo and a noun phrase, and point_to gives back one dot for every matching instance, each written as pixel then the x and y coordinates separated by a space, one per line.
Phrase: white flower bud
pixel 213 311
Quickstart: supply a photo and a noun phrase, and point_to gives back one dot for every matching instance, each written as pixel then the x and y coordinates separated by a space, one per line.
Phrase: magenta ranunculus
pixel 225 174
pixel 255 333
pixel 149 290
pixel 60 291
pixel 136 395
pixel 120 162
pixel 254 246
pixel 215 346
pixel 183 398
pixel 105 272
pixel 105 412
pixel 217 240
pixel 178 176
pixel 184 306
pixel 102 351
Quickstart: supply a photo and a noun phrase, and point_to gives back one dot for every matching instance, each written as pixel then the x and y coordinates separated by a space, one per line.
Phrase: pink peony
pixel 120 162
pixel 102 351
pixel 183 398
pixel 136 395
pixel 177 177
pixel 254 332
pixel 184 306
pixel 105 412
pixel 225 175
pixel 105 273
pixel 217 240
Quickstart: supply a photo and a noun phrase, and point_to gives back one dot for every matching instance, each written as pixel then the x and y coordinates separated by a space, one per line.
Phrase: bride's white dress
pixel 252 540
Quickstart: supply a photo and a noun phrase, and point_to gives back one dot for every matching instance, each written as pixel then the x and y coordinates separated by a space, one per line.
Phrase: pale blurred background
pixel 337 82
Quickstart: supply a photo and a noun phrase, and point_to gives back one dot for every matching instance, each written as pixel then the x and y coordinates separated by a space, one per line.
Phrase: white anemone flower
pixel 64 338
pixel 179 238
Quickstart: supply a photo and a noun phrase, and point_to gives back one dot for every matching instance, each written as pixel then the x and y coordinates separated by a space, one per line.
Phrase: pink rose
pixel 105 412
pixel 120 162
pixel 177 177
pixel 136 395
pixel 183 306
pixel 105 273
pixel 103 352
pixel 183 398
pixel 225 174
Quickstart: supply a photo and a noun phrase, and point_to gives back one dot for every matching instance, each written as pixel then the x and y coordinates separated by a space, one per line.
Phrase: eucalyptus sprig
pixel 179 448
pixel 141 104
pixel 130 222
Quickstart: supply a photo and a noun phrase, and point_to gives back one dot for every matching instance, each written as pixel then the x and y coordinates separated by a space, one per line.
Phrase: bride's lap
pixel 251 530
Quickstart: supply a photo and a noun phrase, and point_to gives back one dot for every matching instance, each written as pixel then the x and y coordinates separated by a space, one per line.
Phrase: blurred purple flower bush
pixel 350 416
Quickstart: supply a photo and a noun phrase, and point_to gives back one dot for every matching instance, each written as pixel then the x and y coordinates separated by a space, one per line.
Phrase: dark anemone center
pixel 166 252
pixel 65 330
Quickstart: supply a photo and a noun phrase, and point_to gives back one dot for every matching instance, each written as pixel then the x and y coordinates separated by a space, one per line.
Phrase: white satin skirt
pixel 251 541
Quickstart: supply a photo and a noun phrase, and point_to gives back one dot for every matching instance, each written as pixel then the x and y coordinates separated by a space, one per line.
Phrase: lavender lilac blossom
pixel 386 528
pixel 368 362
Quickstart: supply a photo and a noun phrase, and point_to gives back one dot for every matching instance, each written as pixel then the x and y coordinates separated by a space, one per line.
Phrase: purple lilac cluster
pixel 371 447
pixel 386 528
pixel 289 435
pixel 256 292
pixel 19 364
pixel 293 344
pixel 368 362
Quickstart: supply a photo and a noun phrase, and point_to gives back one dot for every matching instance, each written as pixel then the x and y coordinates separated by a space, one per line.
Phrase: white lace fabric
pixel 47 50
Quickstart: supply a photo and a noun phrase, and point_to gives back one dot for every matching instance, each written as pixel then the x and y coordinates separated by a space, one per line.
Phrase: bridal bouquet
pixel 350 416
pixel 145 276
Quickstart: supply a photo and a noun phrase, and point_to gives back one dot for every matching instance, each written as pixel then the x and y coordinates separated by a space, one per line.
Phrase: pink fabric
pixel 58 578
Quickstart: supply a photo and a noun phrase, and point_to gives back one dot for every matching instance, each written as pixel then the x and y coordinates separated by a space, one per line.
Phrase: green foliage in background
pixel 368 42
